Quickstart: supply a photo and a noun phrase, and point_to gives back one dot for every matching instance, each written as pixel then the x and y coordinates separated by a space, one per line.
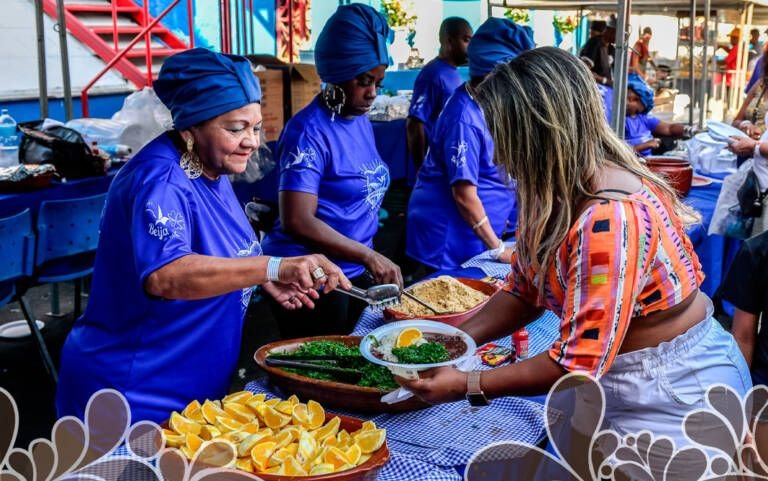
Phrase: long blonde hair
pixel 547 120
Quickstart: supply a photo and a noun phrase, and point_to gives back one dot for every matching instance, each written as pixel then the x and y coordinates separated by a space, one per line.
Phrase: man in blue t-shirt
pixel 435 83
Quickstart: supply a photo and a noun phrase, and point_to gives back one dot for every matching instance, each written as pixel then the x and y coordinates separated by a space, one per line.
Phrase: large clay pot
pixel 676 170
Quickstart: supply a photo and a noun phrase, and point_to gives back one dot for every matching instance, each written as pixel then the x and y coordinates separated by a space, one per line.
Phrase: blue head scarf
pixel 353 41
pixel 198 85
pixel 497 40
pixel 638 85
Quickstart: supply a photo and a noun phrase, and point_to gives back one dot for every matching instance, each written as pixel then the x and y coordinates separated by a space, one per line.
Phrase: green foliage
pixel 564 25
pixel 519 16
pixel 397 13
pixel 427 353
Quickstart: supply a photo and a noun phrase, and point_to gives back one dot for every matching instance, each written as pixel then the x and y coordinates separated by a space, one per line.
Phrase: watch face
pixel 477 399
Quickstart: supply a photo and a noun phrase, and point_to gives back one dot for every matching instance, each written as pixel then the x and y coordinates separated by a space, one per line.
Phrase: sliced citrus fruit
pixel 187 452
pixel 240 397
pixel 293 399
pixel 274 419
pixel 353 454
pixel 227 424
pixel 182 425
pixel 192 411
pixel 300 415
pixel 278 457
pixel 370 441
pixel 408 337
pixel 286 437
pixel 193 441
pixel 308 448
pixel 174 440
pixel 344 438
pixel 250 441
pixel 208 432
pixel 254 402
pixel 292 467
pixel 251 427
pixel 316 415
pixel 363 458
pixel 244 464
pixel 273 402
pixel 330 429
pixel 285 407
pixel 368 426
pixel 336 457
pixel 260 454
pixel 210 411
pixel 324 468
pixel 330 441
pixel 239 412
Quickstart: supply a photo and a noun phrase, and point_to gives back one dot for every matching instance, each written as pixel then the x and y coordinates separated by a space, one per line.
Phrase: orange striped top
pixel 621 259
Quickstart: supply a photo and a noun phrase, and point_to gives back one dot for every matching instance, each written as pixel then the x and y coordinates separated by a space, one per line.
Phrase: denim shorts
pixel 654 388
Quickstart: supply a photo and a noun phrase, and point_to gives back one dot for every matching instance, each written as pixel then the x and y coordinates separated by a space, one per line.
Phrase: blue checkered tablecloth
pixel 430 444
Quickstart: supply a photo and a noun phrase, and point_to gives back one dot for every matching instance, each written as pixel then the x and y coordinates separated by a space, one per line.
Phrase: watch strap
pixel 473 383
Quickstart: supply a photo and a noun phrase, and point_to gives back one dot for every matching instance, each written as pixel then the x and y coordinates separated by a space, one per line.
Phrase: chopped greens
pixel 372 374
pixel 427 353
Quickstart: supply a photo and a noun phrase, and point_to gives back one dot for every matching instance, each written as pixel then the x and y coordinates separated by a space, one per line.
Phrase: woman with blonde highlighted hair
pixel 602 244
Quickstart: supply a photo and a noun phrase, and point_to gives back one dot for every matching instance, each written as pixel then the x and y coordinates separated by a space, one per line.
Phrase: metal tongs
pixel 384 295
pixel 327 364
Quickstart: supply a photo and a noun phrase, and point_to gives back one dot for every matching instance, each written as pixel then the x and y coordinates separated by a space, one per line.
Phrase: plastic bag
pixel 710 156
pixel 724 219
pixel 144 116
pixel 101 131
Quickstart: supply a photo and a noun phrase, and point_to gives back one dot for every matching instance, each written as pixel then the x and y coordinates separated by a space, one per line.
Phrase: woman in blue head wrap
pixel 177 260
pixel 332 179
pixel 642 128
pixel 461 204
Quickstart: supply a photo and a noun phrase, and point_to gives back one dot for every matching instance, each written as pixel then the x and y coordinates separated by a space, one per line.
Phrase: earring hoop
pixel 334 98
pixel 190 162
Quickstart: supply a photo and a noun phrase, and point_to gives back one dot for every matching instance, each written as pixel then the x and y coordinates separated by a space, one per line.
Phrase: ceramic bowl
pixel 454 319
pixel 677 171
pixel 329 393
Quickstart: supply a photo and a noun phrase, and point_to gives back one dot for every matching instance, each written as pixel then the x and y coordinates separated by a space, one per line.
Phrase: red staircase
pixel 109 26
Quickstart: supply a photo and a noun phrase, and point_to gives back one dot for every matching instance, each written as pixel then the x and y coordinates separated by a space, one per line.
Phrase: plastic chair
pixel 17 244
pixel 67 236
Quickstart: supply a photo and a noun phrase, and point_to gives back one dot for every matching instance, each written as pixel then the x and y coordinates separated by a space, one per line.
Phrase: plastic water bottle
pixel 9 141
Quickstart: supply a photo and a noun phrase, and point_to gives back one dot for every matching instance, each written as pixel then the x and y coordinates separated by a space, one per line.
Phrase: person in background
pixel 757 70
pixel 755 47
pixel 750 118
pixel 600 50
pixel 642 127
pixel 177 261
pixel 461 202
pixel 602 244
pixel 746 287
pixel 730 60
pixel 434 84
pixel 332 179
pixel 640 55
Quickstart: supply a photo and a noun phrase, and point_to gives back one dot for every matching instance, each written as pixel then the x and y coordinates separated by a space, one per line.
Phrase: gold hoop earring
pixel 190 162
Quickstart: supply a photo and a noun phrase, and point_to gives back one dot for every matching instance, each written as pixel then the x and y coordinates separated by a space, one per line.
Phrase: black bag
pixel 750 197
pixel 62 147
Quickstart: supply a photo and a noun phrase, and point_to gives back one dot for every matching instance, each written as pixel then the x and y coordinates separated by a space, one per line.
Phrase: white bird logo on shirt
pixel 160 218
pixel 460 158
pixel 302 158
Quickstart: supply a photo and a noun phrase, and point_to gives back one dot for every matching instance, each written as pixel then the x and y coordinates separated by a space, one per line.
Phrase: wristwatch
pixel 475 394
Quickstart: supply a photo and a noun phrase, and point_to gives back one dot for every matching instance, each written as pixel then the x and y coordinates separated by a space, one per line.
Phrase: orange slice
pixel 240 397
pixel 330 429
pixel 239 412
pixel 324 468
pixel 274 419
pixel 292 467
pixel 244 464
pixel 353 454
pixel 408 337
pixel 335 457
pixel 182 425
pixel 193 442
pixel 210 411
pixel 260 454
pixel 316 415
pixel 370 441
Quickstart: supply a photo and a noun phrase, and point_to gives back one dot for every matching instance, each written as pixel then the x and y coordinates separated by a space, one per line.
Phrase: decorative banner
pixel 289 43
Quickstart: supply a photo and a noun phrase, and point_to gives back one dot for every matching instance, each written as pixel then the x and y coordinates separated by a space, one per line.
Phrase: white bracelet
pixel 273 269
pixel 497 252
pixel 756 153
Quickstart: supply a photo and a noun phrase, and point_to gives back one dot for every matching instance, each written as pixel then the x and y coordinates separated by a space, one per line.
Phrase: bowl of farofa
pixel 457 298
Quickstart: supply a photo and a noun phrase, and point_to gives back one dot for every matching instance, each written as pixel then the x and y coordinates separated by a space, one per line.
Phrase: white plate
pixel 424 326
pixel 722 131
pixel 17 329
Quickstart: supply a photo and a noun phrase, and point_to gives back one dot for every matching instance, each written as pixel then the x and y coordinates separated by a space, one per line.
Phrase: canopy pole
pixel 691 44
pixel 62 28
pixel 620 67
pixel 42 74
pixel 703 100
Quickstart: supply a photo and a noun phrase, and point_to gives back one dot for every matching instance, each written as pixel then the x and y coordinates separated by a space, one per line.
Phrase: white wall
pixel 18 57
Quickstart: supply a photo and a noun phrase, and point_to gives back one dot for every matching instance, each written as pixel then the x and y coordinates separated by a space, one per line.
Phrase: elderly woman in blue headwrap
pixel 177 260
pixel 641 128
pixel 461 203
pixel 332 179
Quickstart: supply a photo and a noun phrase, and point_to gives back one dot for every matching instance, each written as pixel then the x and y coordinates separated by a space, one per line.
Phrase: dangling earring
pixel 190 162
pixel 334 98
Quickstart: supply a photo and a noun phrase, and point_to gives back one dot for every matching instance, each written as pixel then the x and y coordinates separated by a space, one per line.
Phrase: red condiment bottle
pixel 520 339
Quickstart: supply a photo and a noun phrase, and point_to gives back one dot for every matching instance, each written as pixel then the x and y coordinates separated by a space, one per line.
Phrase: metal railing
pixel 145 33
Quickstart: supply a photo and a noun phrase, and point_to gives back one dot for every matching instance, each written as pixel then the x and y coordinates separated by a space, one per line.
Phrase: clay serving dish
pixel 454 319
pixel 678 172
pixel 329 393
pixel 368 471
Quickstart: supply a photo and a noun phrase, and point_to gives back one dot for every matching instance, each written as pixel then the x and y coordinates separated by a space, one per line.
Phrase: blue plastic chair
pixel 67 236
pixel 17 248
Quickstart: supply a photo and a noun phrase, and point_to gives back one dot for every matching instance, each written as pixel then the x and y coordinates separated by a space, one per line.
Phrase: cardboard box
pixel 286 89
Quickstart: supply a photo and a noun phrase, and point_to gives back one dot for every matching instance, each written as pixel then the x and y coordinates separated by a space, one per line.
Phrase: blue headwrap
pixel 497 40
pixel 638 85
pixel 198 85
pixel 353 41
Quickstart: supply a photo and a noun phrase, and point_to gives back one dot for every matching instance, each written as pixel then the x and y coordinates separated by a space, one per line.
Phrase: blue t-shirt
pixel 436 233
pixel 161 354
pixel 434 85
pixel 639 129
pixel 337 161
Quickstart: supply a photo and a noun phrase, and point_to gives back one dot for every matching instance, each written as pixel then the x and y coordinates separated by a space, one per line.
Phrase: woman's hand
pixel 438 385
pixel 506 255
pixel 648 144
pixel 384 270
pixel 291 296
pixel 312 272
pixel 750 129
pixel 742 146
